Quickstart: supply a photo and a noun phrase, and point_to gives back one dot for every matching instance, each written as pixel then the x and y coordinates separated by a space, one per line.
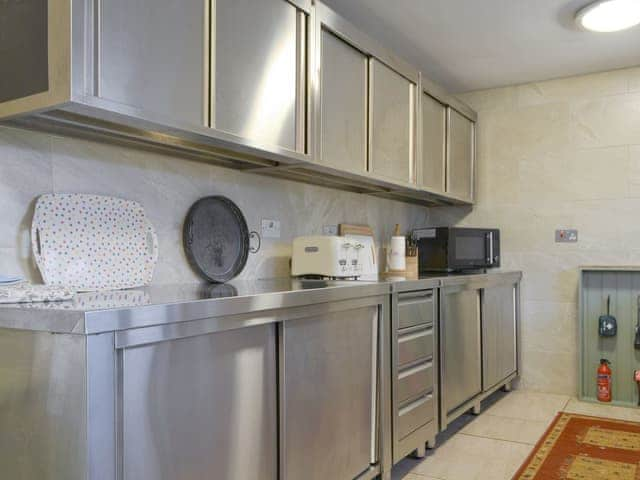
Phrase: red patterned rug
pixel 577 447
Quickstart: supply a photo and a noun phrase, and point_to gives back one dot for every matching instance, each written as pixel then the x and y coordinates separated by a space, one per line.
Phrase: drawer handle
pixel 414 336
pixel 413 370
pixel 408 295
pixel 424 302
pixel 416 404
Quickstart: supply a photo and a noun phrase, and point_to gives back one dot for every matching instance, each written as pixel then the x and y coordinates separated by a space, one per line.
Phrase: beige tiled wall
pixel 35 163
pixel 558 154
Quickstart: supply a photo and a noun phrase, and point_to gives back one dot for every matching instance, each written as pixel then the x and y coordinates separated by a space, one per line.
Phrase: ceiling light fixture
pixel 609 15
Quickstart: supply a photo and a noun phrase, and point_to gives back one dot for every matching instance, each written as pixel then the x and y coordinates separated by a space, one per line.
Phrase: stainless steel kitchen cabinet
pixel 460 348
pixel 201 407
pixel 329 396
pixel 151 56
pixel 460 156
pixel 432 161
pixel 236 83
pixel 414 370
pixel 392 123
pixel 479 340
pixel 499 334
pixel 259 71
pixel 343 104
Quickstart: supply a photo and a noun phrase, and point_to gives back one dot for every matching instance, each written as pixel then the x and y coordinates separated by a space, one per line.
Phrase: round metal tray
pixel 216 238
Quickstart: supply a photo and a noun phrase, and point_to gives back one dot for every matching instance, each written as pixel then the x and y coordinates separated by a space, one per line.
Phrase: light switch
pixel 270 228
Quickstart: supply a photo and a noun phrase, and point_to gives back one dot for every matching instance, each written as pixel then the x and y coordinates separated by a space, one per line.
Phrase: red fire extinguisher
pixel 604 381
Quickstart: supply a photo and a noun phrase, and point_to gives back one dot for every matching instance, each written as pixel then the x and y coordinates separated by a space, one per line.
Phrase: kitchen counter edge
pixel 172 311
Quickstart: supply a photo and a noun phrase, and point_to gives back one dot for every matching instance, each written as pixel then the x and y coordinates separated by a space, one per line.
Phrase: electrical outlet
pixel 566 236
pixel 270 228
pixel 330 230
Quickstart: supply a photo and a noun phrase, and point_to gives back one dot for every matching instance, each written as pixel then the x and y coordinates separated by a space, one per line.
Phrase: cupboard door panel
pixel 152 56
pixel 343 104
pixel 392 119
pixel 191 405
pixel 256 70
pixel 498 334
pixel 460 347
pixel 434 130
pixel 328 403
pixel 461 154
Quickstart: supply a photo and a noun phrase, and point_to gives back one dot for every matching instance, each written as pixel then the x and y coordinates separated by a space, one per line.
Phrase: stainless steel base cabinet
pixel 285 385
pixel 461 349
pixel 499 334
pixel 479 340
pixel 201 407
pixel 413 371
pixel 330 395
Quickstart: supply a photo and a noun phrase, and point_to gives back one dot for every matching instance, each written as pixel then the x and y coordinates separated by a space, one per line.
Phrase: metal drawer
pixel 415 415
pixel 415 308
pixel 414 381
pixel 415 345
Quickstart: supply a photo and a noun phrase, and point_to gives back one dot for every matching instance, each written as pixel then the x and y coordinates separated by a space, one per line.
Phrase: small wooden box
pixel 412 266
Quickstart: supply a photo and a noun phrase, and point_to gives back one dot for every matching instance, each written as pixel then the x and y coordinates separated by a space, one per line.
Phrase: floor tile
pixel 466 457
pixel 412 476
pixel 525 405
pixel 603 410
pixel 508 429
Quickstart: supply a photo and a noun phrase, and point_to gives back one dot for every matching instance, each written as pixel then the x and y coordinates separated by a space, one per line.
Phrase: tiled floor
pixel 493 445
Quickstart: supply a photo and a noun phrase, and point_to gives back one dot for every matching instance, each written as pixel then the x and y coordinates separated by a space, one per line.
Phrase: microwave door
pixel 470 249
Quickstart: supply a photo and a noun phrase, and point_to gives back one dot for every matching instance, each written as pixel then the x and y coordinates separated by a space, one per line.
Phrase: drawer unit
pixel 415 414
pixel 415 380
pixel 414 370
pixel 416 308
pixel 415 344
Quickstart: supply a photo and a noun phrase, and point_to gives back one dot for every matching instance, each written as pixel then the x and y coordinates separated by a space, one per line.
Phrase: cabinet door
pixel 461 156
pixel 344 72
pixel 392 123
pixel 201 407
pixel 431 171
pixel 329 395
pixel 460 344
pixel 257 71
pixel 152 56
pixel 499 358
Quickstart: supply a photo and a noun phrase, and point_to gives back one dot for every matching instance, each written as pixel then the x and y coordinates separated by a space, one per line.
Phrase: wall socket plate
pixel 270 228
pixel 566 236
pixel 330 230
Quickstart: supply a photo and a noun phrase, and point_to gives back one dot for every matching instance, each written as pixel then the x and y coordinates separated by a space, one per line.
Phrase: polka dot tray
pixel 93 242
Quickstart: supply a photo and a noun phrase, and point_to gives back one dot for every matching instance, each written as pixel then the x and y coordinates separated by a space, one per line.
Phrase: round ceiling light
pixel 609 15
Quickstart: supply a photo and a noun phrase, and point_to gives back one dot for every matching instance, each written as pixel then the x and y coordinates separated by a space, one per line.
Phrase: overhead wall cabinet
pixel 285 88
pixel 392 119
pixel 258 60
pixel 364 101
pixel 343 104
pixel 150 56
pixel 431 168
pixel 460 156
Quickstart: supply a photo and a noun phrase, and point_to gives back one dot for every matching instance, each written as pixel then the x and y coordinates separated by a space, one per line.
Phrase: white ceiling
pixel 474 44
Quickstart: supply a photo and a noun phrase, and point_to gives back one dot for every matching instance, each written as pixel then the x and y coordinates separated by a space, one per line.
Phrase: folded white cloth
pixel 27 293
pixel 10 280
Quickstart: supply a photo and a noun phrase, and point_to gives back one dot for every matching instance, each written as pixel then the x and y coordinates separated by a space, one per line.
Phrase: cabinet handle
pixel 415 404
pixel 414 335
pixel 418 368
pixel 411 295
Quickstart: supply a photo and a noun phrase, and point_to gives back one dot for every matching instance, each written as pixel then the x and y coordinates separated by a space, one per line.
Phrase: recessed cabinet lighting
pixel 609 15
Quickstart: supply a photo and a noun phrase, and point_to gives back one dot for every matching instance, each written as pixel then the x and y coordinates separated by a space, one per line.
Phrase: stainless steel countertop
pixel 93 313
